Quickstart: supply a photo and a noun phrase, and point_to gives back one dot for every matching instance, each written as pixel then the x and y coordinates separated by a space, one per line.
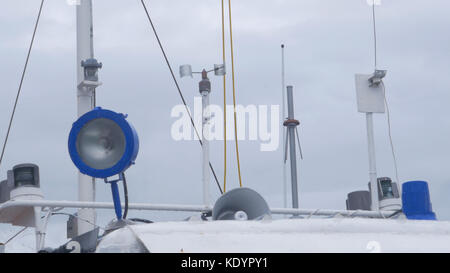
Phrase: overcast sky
pixel 327 42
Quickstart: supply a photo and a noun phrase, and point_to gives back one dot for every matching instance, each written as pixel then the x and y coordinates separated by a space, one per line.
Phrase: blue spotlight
pixel 102 143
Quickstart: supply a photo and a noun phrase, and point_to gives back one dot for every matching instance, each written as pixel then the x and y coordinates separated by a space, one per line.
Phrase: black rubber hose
pixel 125 192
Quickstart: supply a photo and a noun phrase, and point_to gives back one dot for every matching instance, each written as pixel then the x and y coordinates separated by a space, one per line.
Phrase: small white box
pixel 370 99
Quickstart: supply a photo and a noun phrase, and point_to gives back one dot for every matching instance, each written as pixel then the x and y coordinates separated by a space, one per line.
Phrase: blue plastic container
pixel 416 201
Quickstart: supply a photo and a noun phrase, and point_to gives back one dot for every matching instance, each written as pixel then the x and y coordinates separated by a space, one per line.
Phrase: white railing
pixel 192 208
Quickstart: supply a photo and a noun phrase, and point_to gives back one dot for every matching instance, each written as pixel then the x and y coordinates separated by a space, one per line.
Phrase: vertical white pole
pixel 283 116
pixel 372 163
pixel 86 185
pixel 205 146
pixel 38 227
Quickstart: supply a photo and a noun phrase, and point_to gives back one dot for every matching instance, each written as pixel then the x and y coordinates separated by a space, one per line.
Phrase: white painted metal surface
pixel 85 96
pixel 166 207
pixel 370 99
pixel 96 205
pixel 372 163
pixel 296 235
pixel 391 204
pixel 27 193
pixel 205 147
pixel 22 215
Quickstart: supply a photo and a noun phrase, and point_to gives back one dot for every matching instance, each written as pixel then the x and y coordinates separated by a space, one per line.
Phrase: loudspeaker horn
pixel 240 204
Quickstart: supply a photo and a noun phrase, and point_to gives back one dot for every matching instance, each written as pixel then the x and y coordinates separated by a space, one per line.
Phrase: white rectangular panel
pixel 370 99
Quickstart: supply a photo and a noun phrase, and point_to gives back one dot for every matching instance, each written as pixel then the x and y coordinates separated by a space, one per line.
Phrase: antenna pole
pixel 283 116
pixel 291 124
pixel 205 89
pixel 86 102
pixel 372 163
pixel 370 138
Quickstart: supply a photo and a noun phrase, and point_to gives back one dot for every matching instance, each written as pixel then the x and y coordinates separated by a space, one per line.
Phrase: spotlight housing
pixel 102 143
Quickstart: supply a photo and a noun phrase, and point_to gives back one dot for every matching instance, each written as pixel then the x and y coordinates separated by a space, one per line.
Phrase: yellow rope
pixel 224 107
pixel 234 93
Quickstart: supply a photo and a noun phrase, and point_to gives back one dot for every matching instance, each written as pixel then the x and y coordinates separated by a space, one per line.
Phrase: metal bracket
pixel 89 84
pixel 209 118
pixel 377 77
pixel 116 195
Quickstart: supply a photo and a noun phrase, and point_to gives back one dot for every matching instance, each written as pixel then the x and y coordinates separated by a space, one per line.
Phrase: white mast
pixel 370 99
pixel 85 95
pixel 372 163
pixel 205 89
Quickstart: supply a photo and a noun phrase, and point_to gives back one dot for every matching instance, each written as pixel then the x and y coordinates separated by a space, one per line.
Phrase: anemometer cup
pixel 102 143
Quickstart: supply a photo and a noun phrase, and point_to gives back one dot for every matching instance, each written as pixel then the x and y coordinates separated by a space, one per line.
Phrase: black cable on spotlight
pixel 125 193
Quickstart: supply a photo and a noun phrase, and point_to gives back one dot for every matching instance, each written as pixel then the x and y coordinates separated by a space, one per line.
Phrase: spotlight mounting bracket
pixel 116 195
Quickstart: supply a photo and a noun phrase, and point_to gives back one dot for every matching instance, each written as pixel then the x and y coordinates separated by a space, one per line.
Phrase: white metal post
pixel 372 163
pixel 85 50
pixel 205 146
pixel 205 89
pixel 38 227
pixel 41 226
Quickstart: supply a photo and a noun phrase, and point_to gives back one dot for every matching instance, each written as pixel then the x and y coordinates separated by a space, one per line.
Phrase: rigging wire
pixel 389 132
pixel 78 217
pixel 384 94
pixel 234 93
pixel 21 81
pixel 15 235
pixel 179 89
pixel 374 34
pixel 298 142
pixel 53 213
pixel 224 105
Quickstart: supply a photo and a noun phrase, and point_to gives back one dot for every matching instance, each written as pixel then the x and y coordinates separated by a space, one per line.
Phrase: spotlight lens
pixel 101 143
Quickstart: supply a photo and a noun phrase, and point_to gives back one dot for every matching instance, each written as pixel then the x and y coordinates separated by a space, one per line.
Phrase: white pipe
pixel 86 185
pixel 99 205
pixel 45 221
pixel 372 163
pixel 205 146
pixel 192 208
pixel 328 212
pixel 38 228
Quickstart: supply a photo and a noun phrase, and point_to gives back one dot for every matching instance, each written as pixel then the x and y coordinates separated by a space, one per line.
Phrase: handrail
pixel 192 208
